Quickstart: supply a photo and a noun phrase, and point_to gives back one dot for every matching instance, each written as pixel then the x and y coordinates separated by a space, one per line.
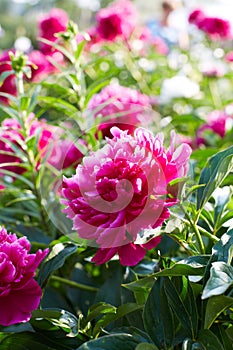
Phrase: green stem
pixel 215 94
pixel 208 235
pixel 195 229
pixel 201 229
pixel 19 83
pixel 74 284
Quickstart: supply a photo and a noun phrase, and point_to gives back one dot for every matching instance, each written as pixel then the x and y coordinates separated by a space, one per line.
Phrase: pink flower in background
pixel 65 153
pixel 9 84
pixel 44 67
pixel 121 190
pixel 215 28
pixel 50 24
pixel 120 106
pixel 218 122
pixel 10 136
pixel 59 153
pixel 196 16
pixel 229 57
pixel 20 294
pixel 118 19
pixel 160 46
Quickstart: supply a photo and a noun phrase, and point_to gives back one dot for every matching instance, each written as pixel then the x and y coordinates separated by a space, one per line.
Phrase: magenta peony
pixel 120 106
pixel 215 28
pixel 49 25
pixel 58 152
pixel 9 84
pixel 218 122
pixel 40 66
pixel 9 136
pixel 121 190
pixel 229 57
pixel 117 20
pixel 19 293
pixel 196 16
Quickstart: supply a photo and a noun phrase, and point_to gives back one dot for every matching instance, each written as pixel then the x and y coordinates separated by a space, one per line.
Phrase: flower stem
pixel 195 229
pixel 74 284
pixel 19 82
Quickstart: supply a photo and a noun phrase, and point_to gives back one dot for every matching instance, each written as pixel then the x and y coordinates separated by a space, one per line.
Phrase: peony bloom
pixel 20 294
pixel 120 191
pixel 215 28
pixel 10 135
pixel 218 122
pixel 65 154
pixel 229 57
pixel 196 16
pixel 9 84
pixel 43 66
pixel 117 20
pixel 59 153
pixel 131 106
pixel 49 25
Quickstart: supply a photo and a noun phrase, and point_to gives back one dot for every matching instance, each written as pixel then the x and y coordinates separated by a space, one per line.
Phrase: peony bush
pixel 116 181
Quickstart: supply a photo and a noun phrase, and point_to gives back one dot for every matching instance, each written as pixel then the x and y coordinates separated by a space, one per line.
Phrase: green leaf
pixel 145 346
pixel 59 318
pixel 58 104
pixel 5 75
pixel 209 340
pixel 55 260
pixel 179 308
pixel 141 284
pixel 221 197
pixel 24 341
pixel 192 266
pixel 221 278
pixel 112 342
pixel 215 306
pixel 112 316
pixel 100 308
pixel 223 250
pixel 157 316
pixel 215 171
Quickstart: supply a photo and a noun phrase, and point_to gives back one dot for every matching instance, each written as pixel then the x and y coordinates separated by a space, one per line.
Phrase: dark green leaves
pixel 55 260
pixel 221 278
pixel 215 306
pixel 112 342
pixel 170 307
pixel 216 170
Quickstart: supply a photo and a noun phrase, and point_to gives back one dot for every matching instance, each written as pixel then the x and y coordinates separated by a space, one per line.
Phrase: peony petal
pixel 17 306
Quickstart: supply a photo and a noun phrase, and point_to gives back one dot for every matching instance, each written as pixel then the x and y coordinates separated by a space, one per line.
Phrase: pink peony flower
pixel 160 46
pixel 131 106
pixel 229 56
pixel 121 190
pixel 59 153
pixel 20 294
pixel 215 28
pixel 44 67
pixel 9 84
pixel 196 16
pixel 9 136
pixel 65 154
pixel 218 122
pixel 49 25
pixel 117 20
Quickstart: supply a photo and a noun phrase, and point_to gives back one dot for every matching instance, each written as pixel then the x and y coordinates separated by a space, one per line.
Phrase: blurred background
pixel 18 18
